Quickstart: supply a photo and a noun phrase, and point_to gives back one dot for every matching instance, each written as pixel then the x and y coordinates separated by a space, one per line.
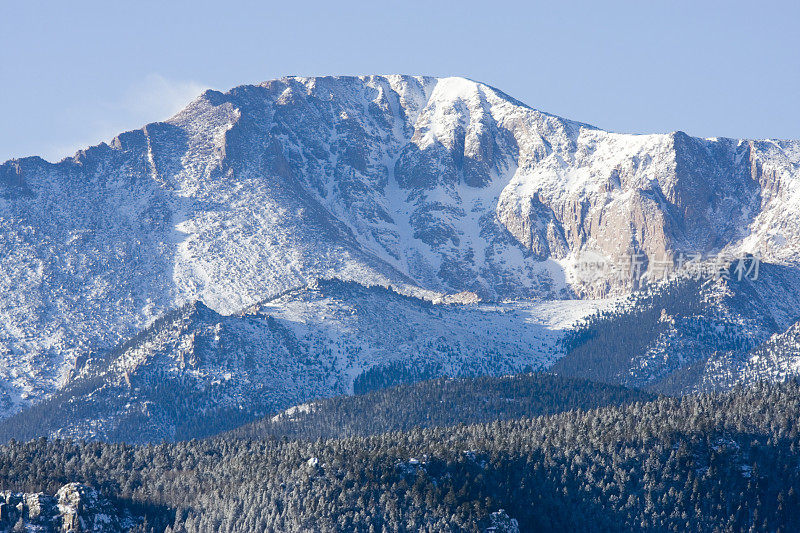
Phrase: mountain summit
pixel 427 185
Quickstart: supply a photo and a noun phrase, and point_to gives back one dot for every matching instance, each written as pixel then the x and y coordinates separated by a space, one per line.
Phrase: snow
pixel 293 411
pixel 249 193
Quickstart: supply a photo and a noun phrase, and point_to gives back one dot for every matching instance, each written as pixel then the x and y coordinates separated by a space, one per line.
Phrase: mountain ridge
pixel 195 372
pixel 430 185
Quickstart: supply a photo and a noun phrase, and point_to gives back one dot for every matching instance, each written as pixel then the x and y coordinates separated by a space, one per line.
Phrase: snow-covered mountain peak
pixel 426 185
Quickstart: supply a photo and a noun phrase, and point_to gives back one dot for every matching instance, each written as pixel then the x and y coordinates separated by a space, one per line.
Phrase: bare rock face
pixel 502 523
pixel 535 226
pixel 428 184
pixel 75 508
pixel 11 182
pixel 82 509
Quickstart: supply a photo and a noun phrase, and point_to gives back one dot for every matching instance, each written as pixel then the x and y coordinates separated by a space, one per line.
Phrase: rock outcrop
pixel 74 508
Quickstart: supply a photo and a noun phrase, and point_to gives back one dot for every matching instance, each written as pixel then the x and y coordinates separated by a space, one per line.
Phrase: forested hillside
pixel 724 462
pixel 440 402
pixel 670 337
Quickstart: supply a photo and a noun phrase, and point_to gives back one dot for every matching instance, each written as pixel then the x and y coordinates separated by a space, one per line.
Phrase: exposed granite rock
pixel 74 508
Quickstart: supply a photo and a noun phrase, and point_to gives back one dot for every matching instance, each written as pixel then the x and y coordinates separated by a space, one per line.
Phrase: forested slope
pixel 440 402
pixel 700 463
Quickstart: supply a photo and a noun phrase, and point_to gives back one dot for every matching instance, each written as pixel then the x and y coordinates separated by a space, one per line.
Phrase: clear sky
pixel 75 73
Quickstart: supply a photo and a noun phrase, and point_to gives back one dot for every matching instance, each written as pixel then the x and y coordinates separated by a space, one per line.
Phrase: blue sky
pixel 75 73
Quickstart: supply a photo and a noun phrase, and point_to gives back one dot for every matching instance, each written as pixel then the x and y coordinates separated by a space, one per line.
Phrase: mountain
pixel 195 372
pixel 431 186
pixel 687 334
